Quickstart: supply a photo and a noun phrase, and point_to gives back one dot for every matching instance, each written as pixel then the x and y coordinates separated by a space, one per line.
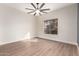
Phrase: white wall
pixel 15 25
pixel 67 24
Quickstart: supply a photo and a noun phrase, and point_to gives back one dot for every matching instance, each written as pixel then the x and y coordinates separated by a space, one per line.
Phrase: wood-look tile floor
pixel 38 47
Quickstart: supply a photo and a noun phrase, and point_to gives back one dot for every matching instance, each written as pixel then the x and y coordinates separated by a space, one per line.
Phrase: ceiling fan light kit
pixel 37 9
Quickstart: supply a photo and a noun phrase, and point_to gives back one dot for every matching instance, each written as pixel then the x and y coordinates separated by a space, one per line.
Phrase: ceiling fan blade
pixel 29 9
pixel 42 5
pixel 34 14
pixel 43 12
pixel 31 12
pixel 37 5
pixel 39 13
pixel 33 5
pixel 44 9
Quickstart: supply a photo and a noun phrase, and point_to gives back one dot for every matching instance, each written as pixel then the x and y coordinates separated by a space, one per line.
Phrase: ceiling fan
pixel 37 9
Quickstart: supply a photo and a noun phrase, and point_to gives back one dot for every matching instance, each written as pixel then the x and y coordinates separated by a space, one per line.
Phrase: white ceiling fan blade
pixel 43 12
pixel 37 5
pixel 33 5
pixel 44 9
pixel 31 12
pixel 29 9
pixel 34 14
pixel 40 14
pixel 42 5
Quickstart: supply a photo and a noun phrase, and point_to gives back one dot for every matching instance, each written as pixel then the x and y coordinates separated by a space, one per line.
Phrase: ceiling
pixel 22 6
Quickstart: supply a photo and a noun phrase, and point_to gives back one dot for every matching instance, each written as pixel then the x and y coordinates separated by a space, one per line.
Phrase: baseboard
pixel 60 41
pixel 3 43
